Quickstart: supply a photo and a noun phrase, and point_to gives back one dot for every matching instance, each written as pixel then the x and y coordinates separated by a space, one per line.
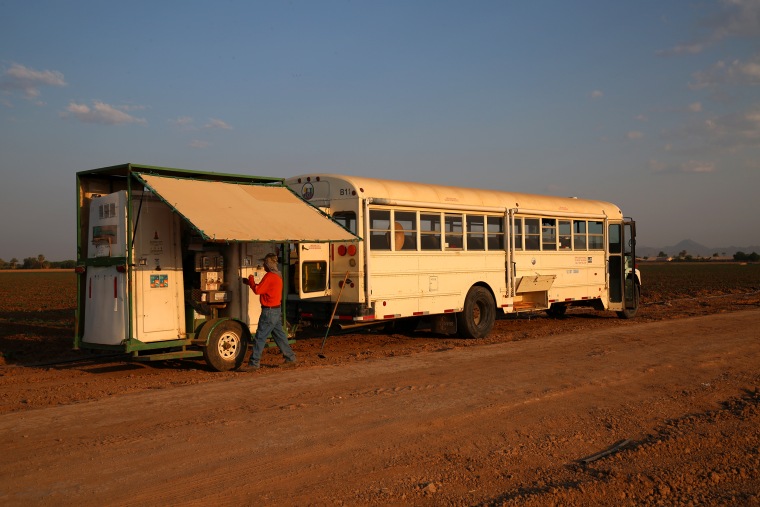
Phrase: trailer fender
pixel 206 328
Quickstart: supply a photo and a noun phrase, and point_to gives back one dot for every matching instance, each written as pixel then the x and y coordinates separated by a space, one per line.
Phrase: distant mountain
pixel 694 249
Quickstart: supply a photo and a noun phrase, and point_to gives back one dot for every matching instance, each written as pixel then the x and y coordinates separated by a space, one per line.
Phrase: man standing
pixel 270 295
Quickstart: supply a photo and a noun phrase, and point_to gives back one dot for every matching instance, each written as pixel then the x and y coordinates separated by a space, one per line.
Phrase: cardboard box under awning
pixel 231 211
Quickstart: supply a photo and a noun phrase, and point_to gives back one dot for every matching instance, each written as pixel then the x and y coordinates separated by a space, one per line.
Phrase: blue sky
pixel 653 105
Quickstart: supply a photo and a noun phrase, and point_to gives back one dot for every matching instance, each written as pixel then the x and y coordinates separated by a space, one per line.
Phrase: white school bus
pixel 455 256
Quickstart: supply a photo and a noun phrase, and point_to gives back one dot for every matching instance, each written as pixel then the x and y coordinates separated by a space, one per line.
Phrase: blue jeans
pixel 270 322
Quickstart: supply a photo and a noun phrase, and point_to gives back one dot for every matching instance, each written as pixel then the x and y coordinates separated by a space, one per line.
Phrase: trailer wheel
pixel 479 314
pixel 631 313
pixel 226 347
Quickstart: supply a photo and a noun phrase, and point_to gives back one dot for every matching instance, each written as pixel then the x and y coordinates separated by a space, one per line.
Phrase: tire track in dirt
pixel 476 423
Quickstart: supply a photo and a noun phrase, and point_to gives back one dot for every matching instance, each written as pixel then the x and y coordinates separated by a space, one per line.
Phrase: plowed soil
pixel 589 409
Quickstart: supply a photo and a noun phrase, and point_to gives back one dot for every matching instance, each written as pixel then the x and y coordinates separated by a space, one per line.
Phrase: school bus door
pixel 622 285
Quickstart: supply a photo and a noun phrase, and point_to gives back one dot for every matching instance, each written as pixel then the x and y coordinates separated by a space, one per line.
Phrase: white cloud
pixel 696 166
pixel 657 167
pixel 718 134
pixel 695 107
pixel 28 81
pixel 182 121
pixel 752 70
pixel 741 18
pixel 596 94
pixel 689 167
pixel 199 144
pixel 682 49
pixel 214 123
pixel 735 130
pixel 634 134
pixel 734 18
pixel 736 72
pixel 101 113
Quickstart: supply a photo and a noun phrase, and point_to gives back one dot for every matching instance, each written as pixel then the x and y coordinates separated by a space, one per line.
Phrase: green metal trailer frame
pixel 123 177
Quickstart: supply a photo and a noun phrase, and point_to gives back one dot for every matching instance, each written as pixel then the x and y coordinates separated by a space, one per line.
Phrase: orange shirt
pixel 269 290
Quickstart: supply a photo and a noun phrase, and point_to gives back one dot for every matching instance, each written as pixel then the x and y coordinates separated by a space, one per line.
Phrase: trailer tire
pixel 479 313
pixel 226 346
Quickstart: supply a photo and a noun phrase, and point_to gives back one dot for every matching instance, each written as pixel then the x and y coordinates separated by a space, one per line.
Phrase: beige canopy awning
pixel 229 211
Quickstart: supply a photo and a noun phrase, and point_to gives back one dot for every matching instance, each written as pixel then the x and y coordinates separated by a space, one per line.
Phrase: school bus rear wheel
pixel 478 315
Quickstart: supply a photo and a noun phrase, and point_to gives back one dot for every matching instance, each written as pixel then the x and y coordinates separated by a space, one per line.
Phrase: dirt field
pixel 517 418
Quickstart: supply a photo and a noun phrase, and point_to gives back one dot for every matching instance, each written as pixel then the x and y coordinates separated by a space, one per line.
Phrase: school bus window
pixel 548 234
pixel 565 236
pixel 595 235
pixel 379 229
pixel 405 225
pixel 613 236
pixel 476 232
pixel 430 231
pixel 454 232
pixel 518 234
pixel 495 233
pixel 532 234
pixel 579 234
pixel 347 219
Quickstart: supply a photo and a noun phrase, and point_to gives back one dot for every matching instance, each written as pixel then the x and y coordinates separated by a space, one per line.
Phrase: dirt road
pixel 495 424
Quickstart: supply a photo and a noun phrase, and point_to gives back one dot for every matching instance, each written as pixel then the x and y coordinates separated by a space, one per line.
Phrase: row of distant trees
pixel 683 255
pixel 741 256
pixel 39 262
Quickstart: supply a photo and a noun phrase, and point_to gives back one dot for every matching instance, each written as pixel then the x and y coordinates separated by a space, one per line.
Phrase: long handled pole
pixel 335 308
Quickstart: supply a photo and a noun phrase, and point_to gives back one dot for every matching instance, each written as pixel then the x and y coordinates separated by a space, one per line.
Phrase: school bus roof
pixel 390 191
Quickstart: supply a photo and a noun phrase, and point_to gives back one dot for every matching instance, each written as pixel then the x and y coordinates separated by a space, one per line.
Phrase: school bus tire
pixel 226 346
pixel 405 326
pixel 557 310
pixel 478 315
pixel 631 313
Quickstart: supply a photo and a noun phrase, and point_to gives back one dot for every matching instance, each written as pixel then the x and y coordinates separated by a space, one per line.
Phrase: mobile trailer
pixel 161 253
